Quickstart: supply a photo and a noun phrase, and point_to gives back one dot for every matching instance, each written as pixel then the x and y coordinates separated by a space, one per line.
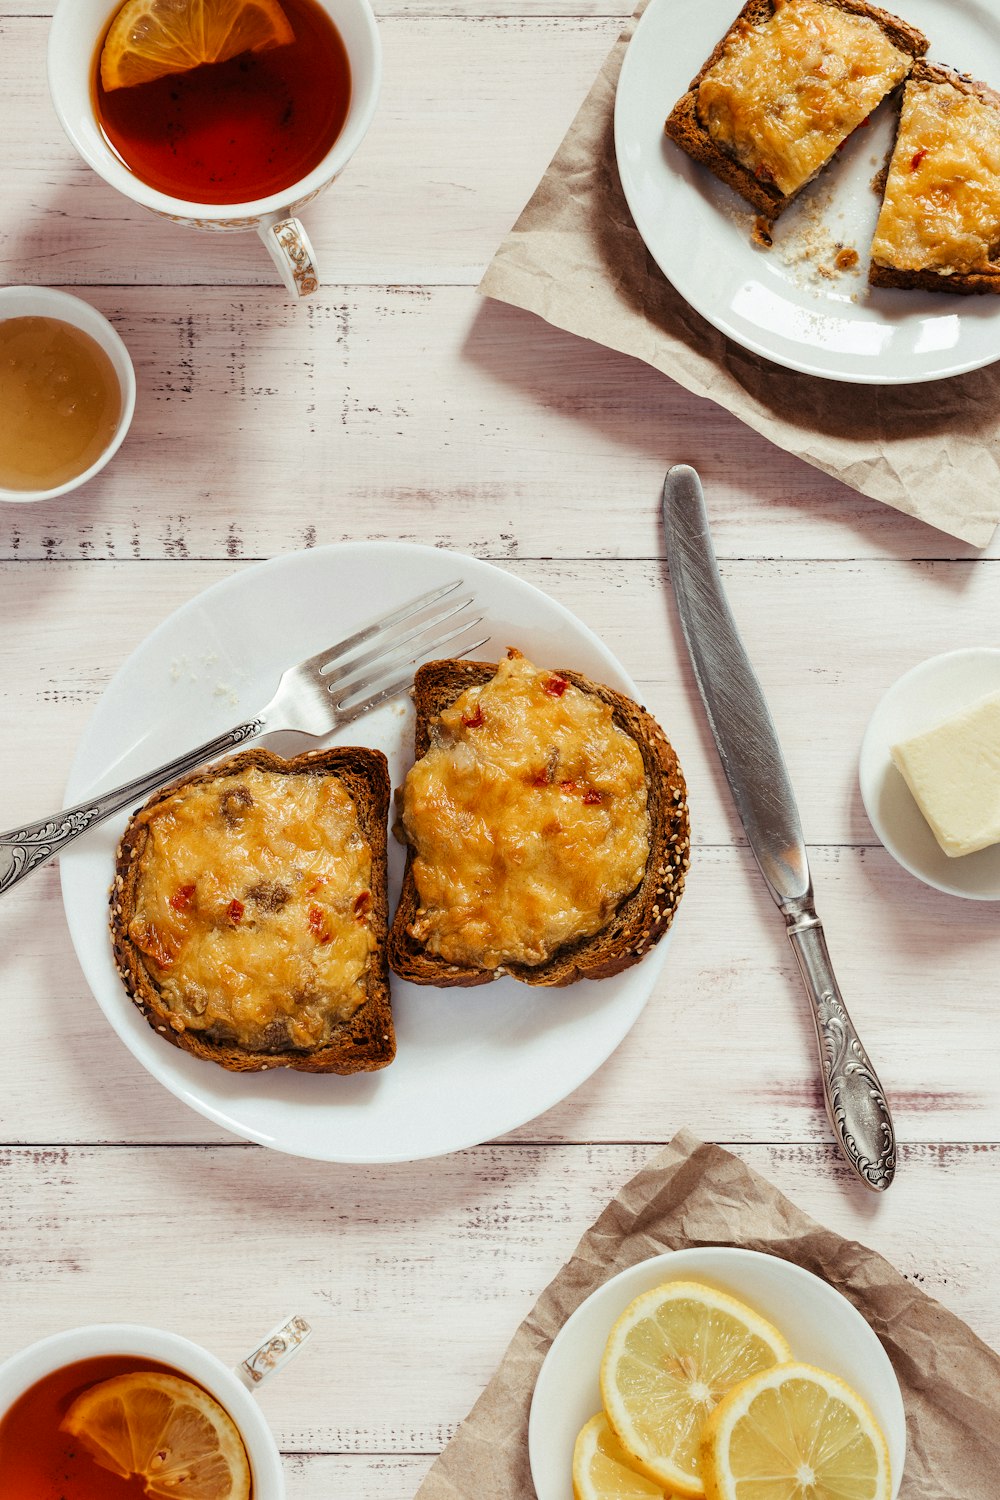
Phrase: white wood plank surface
pixel 398 405
pixel 427 414
pixel 415 1277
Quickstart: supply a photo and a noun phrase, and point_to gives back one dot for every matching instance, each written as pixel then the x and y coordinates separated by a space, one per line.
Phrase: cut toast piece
pixel 639 919
pixel 939 226
pixel 249 912
pixel 785 87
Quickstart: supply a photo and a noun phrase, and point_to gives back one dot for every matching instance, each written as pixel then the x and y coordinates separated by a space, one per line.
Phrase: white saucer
pixel 823 1328
pixel 925 696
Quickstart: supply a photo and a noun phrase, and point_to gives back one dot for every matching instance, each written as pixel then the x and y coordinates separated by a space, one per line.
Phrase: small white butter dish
pixel 924 698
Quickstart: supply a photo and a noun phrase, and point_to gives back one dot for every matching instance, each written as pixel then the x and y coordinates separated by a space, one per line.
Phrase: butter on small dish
pixel 953 771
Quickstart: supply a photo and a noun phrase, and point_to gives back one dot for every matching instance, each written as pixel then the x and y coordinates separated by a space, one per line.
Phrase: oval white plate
pixel 921 698
pixel 821 1326
pixel 471 1064
pixel 698 230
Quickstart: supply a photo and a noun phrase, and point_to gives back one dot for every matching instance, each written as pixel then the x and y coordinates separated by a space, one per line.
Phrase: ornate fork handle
pixel 24 849
pixel 854 1097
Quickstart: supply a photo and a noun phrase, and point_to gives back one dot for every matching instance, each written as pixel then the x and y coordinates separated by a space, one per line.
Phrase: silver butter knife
pixel 758 779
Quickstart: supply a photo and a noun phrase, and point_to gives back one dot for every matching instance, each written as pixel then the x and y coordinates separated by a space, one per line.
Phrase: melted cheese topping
pixel 941 210
pixel 252 908
pixel 528 818
pixel 788 91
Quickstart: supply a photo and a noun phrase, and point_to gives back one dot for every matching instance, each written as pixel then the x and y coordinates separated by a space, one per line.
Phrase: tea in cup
pixel 219 114
pixel 120 1412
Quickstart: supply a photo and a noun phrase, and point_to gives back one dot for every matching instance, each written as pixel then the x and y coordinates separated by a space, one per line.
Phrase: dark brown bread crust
pixel 968 283
pixel 366 1041
pixel 641 919
pixel 684 126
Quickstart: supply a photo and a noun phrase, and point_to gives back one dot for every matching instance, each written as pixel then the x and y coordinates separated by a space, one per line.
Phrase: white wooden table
pixel 396 404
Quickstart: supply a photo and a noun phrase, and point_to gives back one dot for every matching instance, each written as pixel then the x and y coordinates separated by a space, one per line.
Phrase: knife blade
pixel 758 779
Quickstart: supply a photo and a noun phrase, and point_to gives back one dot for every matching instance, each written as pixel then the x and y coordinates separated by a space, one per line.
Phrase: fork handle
pixel 24 849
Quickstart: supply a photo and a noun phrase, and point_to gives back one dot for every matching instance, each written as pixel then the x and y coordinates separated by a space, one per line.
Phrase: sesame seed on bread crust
pixel 684 126
pixel 639 921
pixel 967 283
pixel 366 1040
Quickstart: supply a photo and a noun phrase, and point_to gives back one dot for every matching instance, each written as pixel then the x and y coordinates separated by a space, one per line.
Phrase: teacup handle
pixel 273 1353
pixel 288 246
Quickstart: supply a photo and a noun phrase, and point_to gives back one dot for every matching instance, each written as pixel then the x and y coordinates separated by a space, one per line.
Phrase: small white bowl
pixel 921 698
pixel 821 1326
pixel 44 302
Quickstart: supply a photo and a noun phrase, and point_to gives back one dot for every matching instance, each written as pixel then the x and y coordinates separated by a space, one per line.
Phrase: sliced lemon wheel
pixel 601 1470
pixel 671 1357
pixel 794 1433
pixel 166 1431
pixel 150 39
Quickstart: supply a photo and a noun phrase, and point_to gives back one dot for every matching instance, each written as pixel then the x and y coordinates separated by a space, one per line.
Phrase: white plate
pixel 698 230
pixel 471 1064
pixel 923 697
pixel 822 1327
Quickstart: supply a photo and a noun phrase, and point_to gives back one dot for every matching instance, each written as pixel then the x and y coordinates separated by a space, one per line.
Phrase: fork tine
pixel 377 627
pixel 446 610
pixel 399 684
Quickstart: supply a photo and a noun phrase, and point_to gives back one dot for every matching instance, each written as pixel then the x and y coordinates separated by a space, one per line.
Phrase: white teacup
pixel 77 28
pixel 231 1388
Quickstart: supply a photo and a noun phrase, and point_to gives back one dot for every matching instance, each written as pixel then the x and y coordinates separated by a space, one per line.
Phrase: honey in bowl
pixel 232 130
pixel 60 402
pixel 77 1432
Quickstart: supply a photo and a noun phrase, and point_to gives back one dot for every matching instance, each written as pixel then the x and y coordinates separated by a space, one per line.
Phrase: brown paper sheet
pixel 576 258
pixel 695 1194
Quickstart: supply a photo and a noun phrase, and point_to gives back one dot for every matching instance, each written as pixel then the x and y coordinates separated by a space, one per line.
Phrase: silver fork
pixel 318 696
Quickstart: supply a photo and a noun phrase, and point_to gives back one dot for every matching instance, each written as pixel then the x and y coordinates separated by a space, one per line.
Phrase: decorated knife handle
pixel 24 849
pixel 854 1098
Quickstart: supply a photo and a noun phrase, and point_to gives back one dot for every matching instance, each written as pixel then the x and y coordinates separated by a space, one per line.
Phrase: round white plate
pixel 471 1064
pixel 923 697
pixel 821 1326
pixel 698 230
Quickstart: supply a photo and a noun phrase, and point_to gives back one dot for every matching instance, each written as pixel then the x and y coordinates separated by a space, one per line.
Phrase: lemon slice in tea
pixel 149 39
pixel 166 1431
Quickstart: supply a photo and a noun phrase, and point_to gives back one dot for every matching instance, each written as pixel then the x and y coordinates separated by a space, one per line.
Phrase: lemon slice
pixel 164 1430
pixel 601 1470
pixel 794 1433
pixel 671 1357
pixel 149 39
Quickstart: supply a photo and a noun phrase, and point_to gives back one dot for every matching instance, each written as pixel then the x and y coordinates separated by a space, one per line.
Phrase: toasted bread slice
pixel 756 182
pixel 932 161
pixel 357 1037
pixel 644 915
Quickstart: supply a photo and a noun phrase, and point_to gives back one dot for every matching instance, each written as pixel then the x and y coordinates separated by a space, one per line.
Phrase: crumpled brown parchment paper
pixel 576 258
pixel 696 1194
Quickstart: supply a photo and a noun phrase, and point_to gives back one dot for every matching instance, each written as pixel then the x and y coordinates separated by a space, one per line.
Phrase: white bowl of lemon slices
pixel 716 1373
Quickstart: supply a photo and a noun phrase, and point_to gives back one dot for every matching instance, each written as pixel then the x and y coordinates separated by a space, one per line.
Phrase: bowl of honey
pixel 67 393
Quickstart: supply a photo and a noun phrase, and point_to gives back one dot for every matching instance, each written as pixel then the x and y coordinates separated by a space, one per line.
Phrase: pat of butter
pixel 953 771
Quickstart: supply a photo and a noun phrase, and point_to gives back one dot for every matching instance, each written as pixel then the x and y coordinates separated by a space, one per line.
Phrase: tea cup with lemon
pixel 122 1412
pixel 224 115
